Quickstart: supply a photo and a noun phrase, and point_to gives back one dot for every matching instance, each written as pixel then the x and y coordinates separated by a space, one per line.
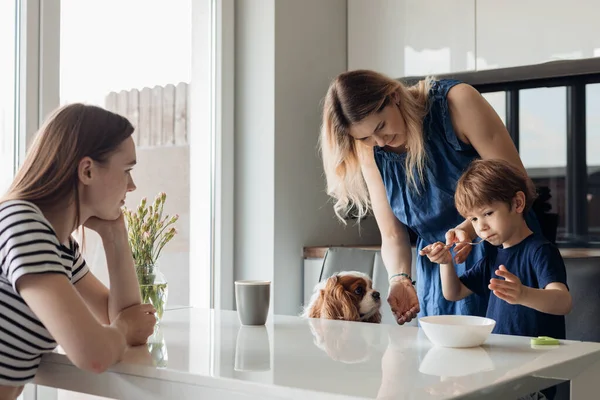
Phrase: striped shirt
pixel 28 245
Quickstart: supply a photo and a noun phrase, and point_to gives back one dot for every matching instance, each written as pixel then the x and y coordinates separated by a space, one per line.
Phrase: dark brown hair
pixel 48 175
pixel 488 181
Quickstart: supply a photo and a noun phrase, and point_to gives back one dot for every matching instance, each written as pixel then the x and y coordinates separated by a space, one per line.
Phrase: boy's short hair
pixel 488 181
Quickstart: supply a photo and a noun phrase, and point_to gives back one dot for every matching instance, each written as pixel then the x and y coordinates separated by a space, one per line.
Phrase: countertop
pixel 203 353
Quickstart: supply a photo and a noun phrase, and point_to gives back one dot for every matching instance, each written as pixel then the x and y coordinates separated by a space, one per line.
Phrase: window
pixel 543 142
pixel 138 65
pixel 8 84
pixel 498 102
pixel 593 158
pixel 135 58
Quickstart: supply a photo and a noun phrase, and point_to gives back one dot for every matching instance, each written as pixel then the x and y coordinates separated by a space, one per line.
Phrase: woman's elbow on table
pixel 98 356
pixel 87 343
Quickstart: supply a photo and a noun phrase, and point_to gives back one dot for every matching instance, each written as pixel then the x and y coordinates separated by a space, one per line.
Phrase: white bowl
pixel 457 330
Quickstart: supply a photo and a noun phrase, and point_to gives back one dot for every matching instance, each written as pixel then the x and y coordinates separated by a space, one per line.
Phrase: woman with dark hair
pixel 76 173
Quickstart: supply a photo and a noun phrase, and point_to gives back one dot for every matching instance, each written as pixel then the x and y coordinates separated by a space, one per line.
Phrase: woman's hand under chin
pixel 109 230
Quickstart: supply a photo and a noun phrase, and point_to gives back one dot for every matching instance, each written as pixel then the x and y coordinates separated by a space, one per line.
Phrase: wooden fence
pixel 159 114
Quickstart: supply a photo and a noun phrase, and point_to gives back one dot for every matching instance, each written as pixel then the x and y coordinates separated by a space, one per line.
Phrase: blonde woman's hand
pixel 403 300
pixel 461 250
pixel 137 323
pixel 437 253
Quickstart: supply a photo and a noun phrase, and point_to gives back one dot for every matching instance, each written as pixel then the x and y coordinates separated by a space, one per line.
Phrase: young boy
pixel 525 280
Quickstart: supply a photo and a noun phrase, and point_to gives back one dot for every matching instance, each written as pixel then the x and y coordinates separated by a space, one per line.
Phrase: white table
pixel 294 358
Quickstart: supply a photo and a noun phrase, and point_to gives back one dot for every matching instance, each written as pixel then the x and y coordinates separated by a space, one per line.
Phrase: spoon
pixel 471 243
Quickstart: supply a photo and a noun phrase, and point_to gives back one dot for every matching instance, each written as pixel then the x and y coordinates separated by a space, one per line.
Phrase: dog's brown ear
pixel 336 303
pixel 317 307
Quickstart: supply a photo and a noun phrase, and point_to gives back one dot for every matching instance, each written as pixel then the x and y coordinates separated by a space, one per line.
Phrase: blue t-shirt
pixel 536 262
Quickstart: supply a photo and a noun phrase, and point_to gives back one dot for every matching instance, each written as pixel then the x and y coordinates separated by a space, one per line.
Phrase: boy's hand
pixel 437 253
pixel 462 248
pixel 509 289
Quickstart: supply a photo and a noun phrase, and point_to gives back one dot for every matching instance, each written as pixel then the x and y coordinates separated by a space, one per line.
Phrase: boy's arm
pixel 551 273
pixel 553 299
pixel 452 287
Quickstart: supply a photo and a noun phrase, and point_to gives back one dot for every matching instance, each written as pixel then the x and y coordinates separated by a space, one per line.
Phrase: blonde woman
pixel 77 173
pixel 398 151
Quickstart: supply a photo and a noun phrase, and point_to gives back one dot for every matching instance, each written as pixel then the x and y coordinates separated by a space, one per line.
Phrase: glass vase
pixel 157 347
pixel 153 288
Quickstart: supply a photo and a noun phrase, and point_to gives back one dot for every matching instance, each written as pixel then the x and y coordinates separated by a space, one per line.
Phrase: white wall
pixel 286 54
pixel 419 37
pixel 375 36
pixel 516 32
pixel 411 37
pixel 254 139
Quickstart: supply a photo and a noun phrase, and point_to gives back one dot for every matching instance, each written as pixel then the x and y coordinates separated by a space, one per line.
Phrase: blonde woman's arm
pixel 396 250
pixel 476 123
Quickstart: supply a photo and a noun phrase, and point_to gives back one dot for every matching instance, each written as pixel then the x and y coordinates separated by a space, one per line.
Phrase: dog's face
pixel 347 296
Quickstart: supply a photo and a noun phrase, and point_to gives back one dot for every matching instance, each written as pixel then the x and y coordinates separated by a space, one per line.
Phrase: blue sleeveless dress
pixel 431 212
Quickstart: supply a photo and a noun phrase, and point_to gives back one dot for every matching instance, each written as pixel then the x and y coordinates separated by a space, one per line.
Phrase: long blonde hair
pixel 351 97
pixel 49 175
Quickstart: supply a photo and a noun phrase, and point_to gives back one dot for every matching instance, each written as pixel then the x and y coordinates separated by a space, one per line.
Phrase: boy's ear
pixel 519 202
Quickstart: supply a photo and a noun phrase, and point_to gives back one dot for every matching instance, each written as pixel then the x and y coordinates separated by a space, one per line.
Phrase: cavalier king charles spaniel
pixel 347 296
